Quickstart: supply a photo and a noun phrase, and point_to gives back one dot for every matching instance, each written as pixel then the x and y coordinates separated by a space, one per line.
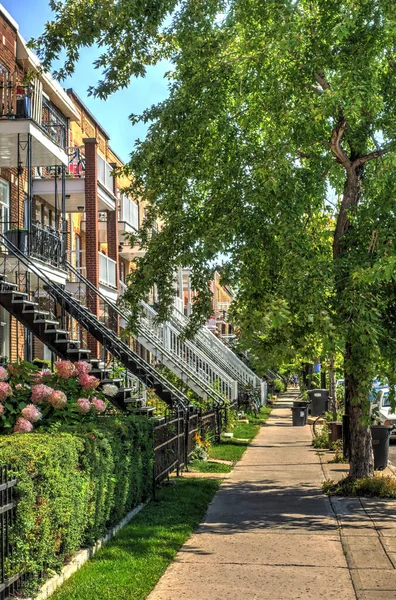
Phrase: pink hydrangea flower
pixel 41 393
pixel 88 382
pixel 84 405
pixel 58 399
pixel 38 376
pixel 11 369
pixel 98 405
pixel 23 426
pixel 4 374
pixel 5 390
pixel 2 409
pixel 31 413
pixel 82 367
pixel 19 387
pixel 65 369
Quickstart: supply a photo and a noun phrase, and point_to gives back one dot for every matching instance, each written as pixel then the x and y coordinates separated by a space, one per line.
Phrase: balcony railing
pixel 46 244
pixel 129 212
pixel 19 101
pixel 104 173
pixel 107 270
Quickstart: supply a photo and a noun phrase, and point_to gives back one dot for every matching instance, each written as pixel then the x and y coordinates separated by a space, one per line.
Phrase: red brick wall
pixel 91 213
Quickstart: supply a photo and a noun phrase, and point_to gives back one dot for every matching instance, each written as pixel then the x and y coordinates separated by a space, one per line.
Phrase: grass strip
pixel 129 566
pixel 206 466
pixel 230 449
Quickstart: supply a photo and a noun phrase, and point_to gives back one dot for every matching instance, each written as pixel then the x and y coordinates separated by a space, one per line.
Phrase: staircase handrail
pixel 56 291
pixel 215 349
pixel 146 332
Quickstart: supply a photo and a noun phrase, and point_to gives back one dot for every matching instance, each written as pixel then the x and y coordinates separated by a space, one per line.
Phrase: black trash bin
pixel 300 415
pixel 380 435
pixel 319 402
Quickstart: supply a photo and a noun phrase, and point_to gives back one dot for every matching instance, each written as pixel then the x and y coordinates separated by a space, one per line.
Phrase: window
pixel 4 333
pixel 4 205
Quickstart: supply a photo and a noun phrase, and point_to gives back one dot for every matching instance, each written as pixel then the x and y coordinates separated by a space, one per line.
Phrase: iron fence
pixel 175 438
pixel 9 585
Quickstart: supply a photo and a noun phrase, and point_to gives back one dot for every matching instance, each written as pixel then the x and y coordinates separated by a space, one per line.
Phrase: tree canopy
pixel 274 150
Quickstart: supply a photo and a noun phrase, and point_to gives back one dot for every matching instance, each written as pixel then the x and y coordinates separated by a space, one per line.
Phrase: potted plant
pixel 18 237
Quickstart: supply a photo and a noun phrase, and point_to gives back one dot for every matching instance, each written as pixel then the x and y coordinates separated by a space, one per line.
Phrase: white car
pixel 382 407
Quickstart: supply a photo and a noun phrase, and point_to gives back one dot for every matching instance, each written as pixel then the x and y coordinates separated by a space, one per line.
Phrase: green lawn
pixel 246 430
pixel 206 466
pixel 230 449
pixel 129 566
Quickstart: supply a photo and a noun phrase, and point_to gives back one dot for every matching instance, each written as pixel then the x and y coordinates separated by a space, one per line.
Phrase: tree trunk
pixel 332 388
pixel 361 455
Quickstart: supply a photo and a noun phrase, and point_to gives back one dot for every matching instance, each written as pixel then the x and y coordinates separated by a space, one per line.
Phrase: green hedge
pixel 72 486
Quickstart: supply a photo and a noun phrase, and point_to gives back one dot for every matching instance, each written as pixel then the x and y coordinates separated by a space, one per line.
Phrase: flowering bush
pixel 34 398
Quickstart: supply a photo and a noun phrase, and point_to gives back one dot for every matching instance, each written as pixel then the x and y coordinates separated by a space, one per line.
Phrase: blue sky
pixel 31 15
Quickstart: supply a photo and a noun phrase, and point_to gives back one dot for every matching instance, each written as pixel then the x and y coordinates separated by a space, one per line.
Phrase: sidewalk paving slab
pixel 270 532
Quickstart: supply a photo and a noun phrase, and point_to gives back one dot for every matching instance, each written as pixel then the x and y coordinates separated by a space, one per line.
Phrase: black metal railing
pixel 9 584
pixel 54 123
pixel 46 244
pixel 176 435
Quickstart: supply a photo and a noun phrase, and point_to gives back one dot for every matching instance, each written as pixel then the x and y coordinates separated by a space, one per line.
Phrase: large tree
pixel 274 149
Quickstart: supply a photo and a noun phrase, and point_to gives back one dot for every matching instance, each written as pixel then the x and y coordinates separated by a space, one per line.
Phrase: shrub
pixel 279 386
pixel 73 486
pixel 378 486
pixel 69 395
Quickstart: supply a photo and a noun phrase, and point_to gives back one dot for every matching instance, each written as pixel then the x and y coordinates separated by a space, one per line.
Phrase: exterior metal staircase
pixel 218 352
pixel 48 328
pixel 186 361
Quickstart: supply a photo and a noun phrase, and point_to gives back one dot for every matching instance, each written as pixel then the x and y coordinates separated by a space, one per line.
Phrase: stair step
pixel 57 331
pixel 67 341
pixel 9 284
pixel 83 351
pixel 145 411
pixel 25 302
pixel 15 293
pixel 111 381
pixel 45 321
pixel 36 311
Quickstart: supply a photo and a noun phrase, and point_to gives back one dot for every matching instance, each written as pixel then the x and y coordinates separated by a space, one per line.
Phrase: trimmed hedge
pixel 72 486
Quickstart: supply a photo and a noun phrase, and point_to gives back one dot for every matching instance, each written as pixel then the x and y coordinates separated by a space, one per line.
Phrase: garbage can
pixel 380 435
pixel 299 414
pixel 319 402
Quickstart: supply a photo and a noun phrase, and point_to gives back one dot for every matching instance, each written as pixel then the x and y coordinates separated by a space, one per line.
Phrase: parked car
pixel 382 409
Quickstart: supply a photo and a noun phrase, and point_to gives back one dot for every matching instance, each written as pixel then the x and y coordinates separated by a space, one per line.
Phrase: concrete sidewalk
pixel 271 533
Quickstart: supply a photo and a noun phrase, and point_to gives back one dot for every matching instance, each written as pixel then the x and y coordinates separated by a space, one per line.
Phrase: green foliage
pixel 22 376
pixel 378 486
pixel 279 386
pixel 207 466
pixel 321 440
pixel 293 183
pixel 73 486
pixel 129 566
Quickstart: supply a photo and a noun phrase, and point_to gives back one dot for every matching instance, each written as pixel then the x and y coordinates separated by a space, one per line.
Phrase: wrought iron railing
pixel 54 123
pixel 46 244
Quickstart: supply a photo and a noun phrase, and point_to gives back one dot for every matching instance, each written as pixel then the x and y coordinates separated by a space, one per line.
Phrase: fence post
pixel 187 438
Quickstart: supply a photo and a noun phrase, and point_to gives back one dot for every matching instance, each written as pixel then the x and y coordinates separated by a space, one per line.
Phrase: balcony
pixel 46 244
pixel 43 184
pixel 25 114
pixel 107 271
